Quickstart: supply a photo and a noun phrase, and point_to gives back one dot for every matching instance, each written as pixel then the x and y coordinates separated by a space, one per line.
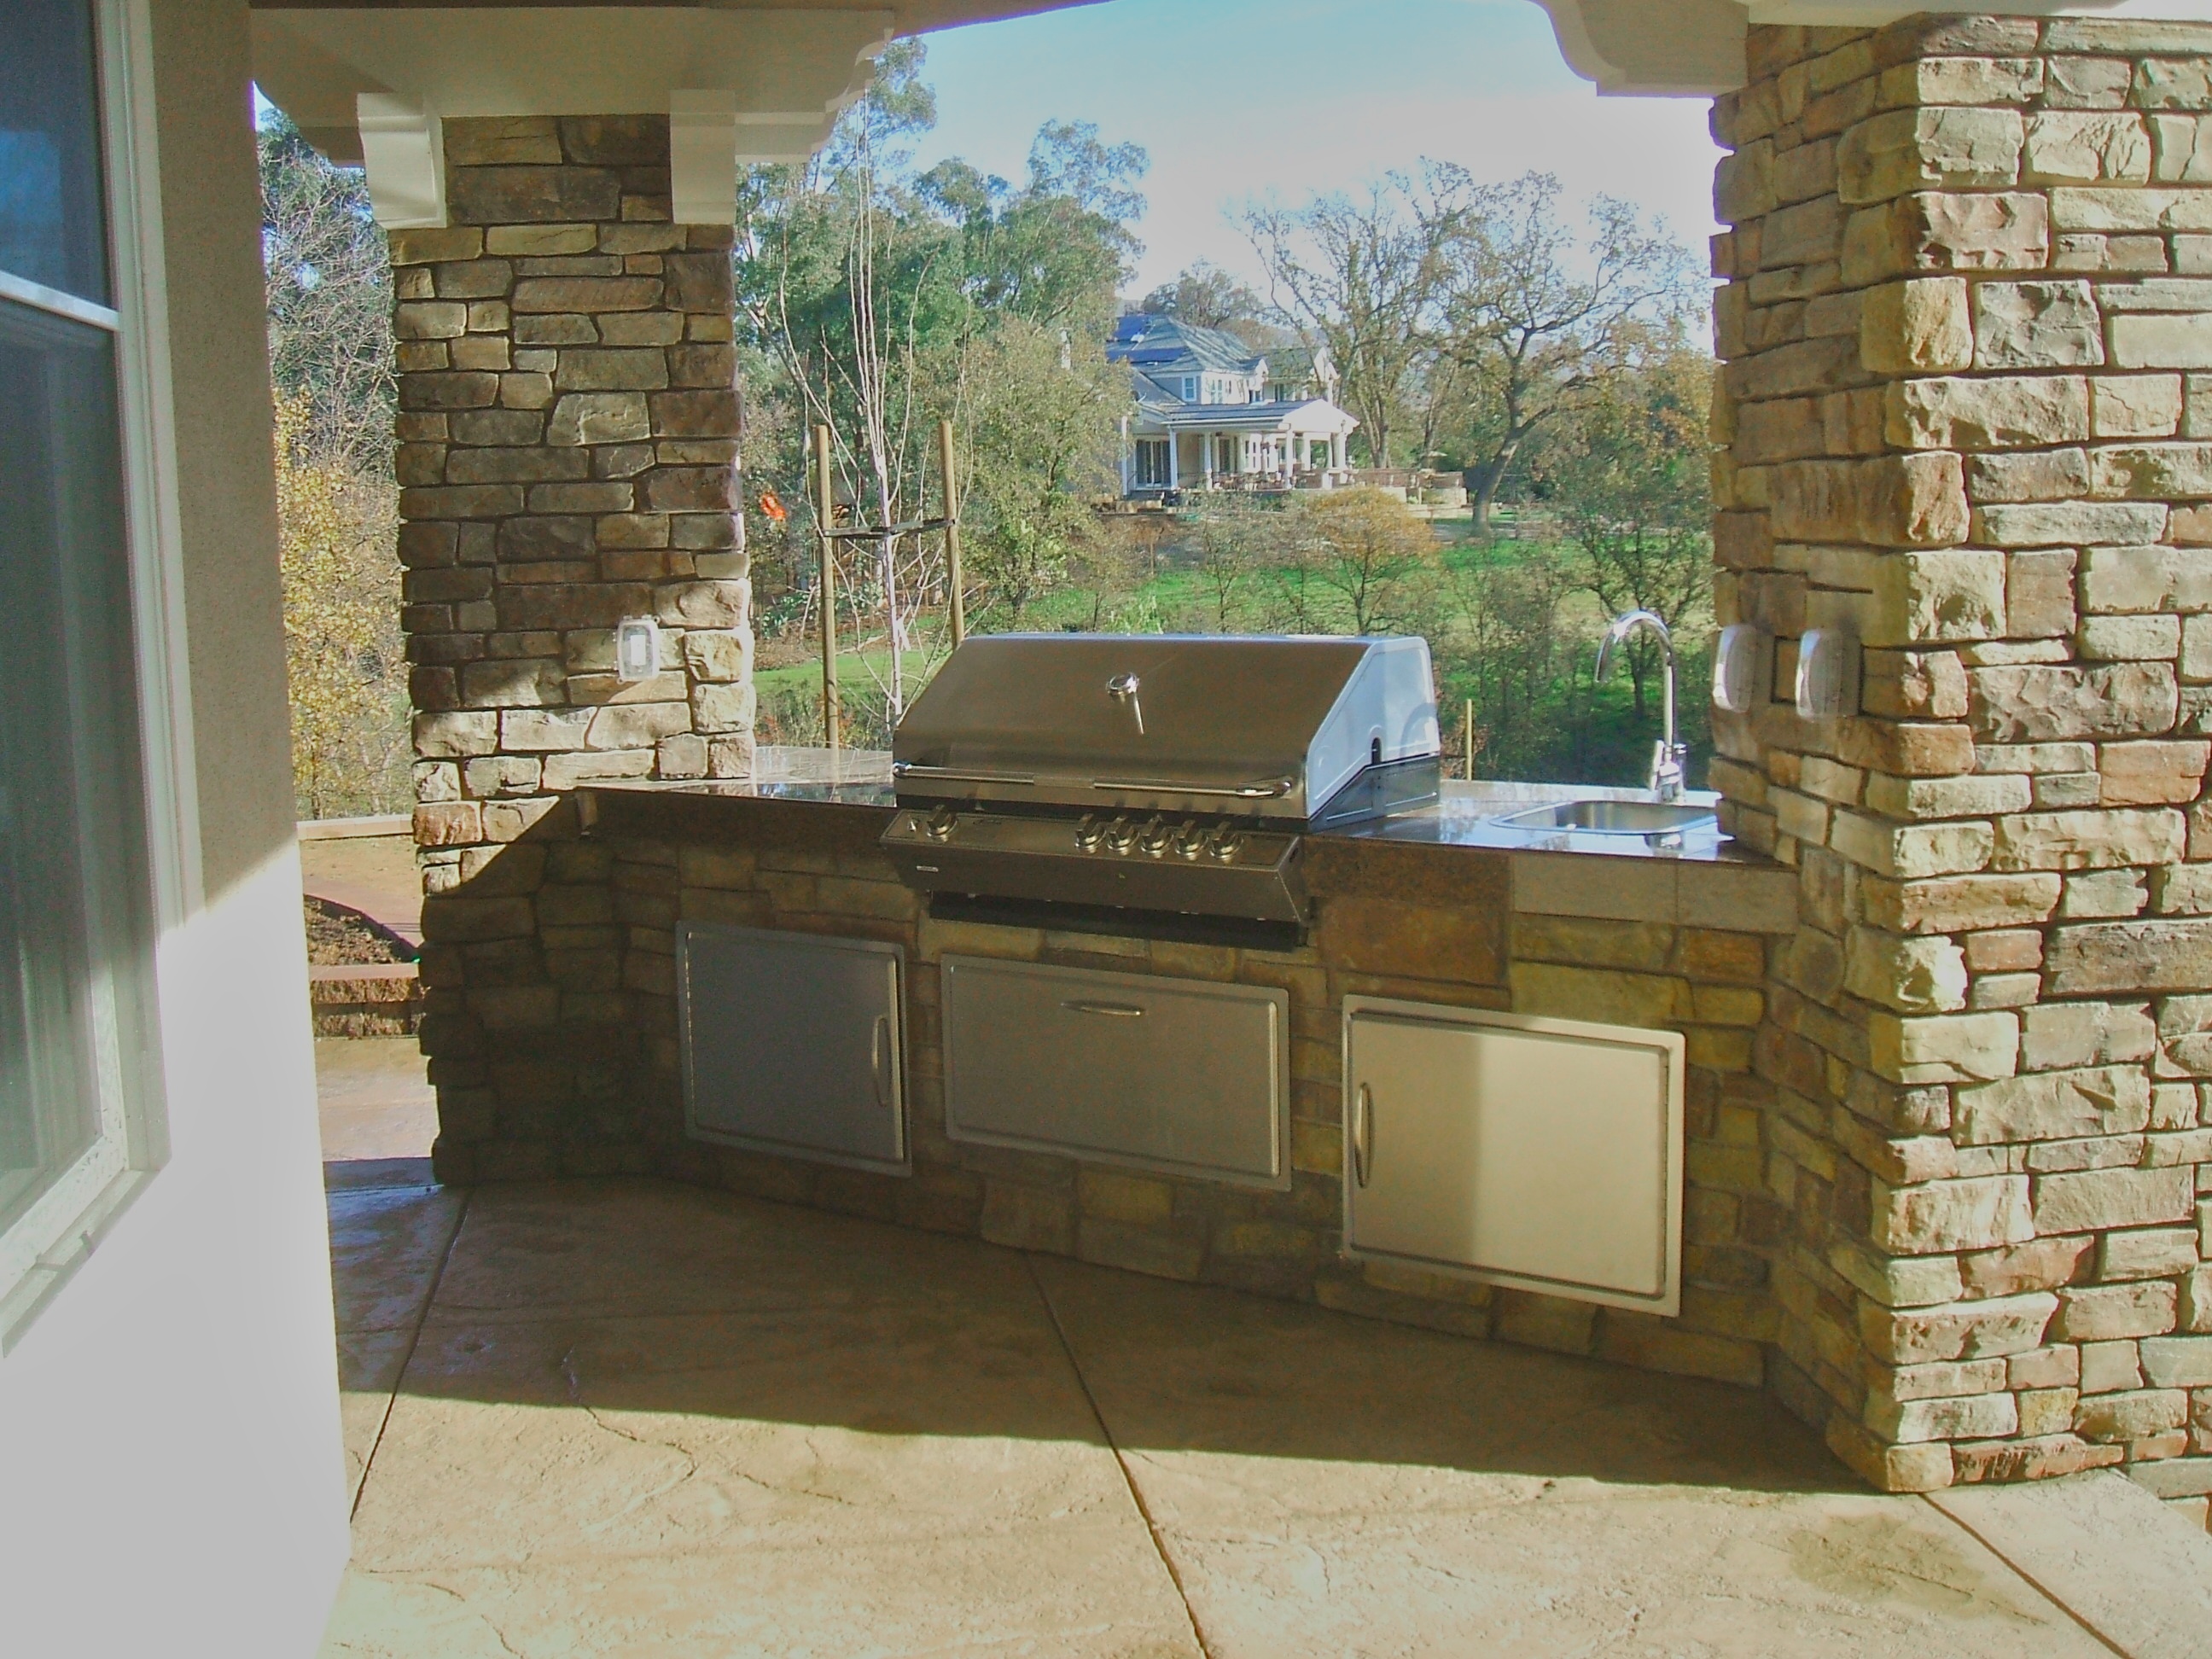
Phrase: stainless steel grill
pixel 1150 774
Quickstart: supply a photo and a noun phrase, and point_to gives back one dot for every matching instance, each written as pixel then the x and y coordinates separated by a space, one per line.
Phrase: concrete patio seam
pixel 414 1341
pixel 1128 1480
pixel 2028 1577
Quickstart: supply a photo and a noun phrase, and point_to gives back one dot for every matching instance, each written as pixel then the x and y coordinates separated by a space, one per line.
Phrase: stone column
pixel 568 426
pixel 1969 297
pixel 568 455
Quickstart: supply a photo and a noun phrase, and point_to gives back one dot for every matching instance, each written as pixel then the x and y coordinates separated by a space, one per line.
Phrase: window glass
pixel 52 213
pixel 76 926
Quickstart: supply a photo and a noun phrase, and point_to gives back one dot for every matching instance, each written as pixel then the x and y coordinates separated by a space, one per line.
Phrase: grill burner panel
pixel 1154 775
pixel 1130 862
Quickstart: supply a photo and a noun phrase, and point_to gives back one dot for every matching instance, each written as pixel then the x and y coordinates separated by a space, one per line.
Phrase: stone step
pixel 370 999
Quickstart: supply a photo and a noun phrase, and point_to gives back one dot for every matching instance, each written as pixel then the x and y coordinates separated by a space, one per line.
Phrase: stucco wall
pixel 168 1424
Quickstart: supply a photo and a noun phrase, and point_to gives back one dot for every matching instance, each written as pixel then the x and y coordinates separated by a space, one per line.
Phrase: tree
pixel 327 275
pixel 1534 317
pixel 1044 415
pixel 1205 295
pixel 1360 277
pixel 1513 657
pixel 1631 479
pixel 1229 547
pixel 876 301
pixel 1366 545
pixel 328 281
pixel 342 645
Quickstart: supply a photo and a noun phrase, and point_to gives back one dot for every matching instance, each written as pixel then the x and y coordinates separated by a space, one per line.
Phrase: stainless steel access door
pixel 793 1044
pixel 1187 1077
pixel 1542 1153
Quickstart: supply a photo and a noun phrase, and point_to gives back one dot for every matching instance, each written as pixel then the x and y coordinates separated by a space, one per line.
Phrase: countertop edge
pixel 1732 890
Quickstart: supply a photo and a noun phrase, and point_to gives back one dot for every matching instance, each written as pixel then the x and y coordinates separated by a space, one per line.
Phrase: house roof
pixel 1144 340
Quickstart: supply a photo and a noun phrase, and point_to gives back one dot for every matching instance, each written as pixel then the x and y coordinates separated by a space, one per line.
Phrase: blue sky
pixel 1235 98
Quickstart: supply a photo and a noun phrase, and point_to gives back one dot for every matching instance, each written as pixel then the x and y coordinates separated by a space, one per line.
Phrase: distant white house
pixel 1214 414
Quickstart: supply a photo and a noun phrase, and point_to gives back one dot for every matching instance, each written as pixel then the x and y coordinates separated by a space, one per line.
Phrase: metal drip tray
pixel 1610 818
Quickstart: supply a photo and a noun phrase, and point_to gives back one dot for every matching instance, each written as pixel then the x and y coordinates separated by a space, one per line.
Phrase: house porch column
pixel 1964 427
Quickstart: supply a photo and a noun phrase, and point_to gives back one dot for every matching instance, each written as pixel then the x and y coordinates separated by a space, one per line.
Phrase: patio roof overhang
pixel 765 82
pixel 371 83
pixel 1696 47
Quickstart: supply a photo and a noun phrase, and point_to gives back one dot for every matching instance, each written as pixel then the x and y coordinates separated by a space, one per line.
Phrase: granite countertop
pixel 1465 817
pixel 839 777
pixel 1708 880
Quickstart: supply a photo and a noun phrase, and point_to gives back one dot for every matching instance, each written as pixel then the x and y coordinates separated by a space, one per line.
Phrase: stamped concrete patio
pixel 628 1418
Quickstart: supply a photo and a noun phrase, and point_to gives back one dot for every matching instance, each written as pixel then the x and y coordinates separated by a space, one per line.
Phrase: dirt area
pixel 339 938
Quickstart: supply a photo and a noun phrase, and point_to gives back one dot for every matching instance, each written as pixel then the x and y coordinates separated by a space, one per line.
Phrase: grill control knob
pixel 1227 847
pixel 941 824
pixel 1191 843
pixel 1121 834
pixel 1157 837
pixel 1090 832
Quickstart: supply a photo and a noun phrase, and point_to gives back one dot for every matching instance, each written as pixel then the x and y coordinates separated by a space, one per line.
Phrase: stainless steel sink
pixel 1610 818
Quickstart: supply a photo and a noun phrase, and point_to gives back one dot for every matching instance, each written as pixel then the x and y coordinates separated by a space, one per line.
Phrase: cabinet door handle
pixel 1106 1010
pixel 1362 1118
pixel 878 1041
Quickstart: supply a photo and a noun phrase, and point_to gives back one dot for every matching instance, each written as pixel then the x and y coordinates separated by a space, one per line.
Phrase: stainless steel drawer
pixel 1182 1076
pixel 793 1044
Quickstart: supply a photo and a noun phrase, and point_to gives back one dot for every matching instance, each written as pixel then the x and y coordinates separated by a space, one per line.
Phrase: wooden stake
pixel 955 582
pixel 825 509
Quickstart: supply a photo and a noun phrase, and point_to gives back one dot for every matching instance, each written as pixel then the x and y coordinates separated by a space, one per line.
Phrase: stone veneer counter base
pixel 553 1033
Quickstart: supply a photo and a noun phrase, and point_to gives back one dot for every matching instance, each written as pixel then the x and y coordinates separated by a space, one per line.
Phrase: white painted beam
pixel 739 87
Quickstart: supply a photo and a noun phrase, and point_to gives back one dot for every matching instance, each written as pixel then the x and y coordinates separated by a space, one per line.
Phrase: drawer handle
pixel 1363 1116
pixel 1106 1010
pixel 878 1041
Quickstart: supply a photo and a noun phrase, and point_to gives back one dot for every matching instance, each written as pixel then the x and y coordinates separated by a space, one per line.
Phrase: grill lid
pixel 1268 726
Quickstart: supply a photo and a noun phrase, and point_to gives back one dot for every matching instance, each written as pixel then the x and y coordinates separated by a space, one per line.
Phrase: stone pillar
pixel 568 427
pixel 568 461
pixel 1969 297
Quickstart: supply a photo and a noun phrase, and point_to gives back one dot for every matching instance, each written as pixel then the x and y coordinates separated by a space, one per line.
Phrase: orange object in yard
pixel 772 506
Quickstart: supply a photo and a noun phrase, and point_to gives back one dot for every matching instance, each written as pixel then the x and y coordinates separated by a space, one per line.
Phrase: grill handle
pixel 1363 1117
pixel 877 1042
pixel 1106 1010
pixel 1273 789
pixel 956 774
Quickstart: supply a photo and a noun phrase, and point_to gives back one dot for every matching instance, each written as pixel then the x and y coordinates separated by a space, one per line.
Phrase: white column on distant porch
pixel 1128 457
pixel 1174 459
pixel 1205 456
pixel 1336 451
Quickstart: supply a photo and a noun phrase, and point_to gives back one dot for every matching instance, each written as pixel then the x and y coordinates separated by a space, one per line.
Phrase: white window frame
pixel 50 1240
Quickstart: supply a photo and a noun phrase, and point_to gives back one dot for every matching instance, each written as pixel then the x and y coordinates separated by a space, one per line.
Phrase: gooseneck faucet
pixel 1668 757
